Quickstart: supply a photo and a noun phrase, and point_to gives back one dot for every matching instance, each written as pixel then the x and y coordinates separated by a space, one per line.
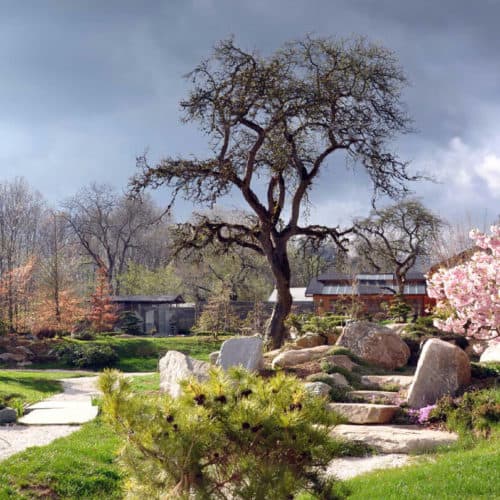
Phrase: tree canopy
pixel 274 123
pixel 392 239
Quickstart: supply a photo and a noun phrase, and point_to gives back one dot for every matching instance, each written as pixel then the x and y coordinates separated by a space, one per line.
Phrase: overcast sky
pixel 88 85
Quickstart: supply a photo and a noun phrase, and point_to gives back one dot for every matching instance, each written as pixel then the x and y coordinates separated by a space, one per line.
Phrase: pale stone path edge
pixel 16 438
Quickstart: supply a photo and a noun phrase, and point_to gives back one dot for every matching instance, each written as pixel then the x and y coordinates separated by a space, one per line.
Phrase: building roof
pixel 298 295
pixel 149 299
pixel 365 284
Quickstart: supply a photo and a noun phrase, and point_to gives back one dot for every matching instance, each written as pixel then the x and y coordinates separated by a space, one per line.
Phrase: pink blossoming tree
pixel 470 292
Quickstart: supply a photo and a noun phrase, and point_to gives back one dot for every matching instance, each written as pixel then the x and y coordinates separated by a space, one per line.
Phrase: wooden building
pixel 158 312
pixel 330 290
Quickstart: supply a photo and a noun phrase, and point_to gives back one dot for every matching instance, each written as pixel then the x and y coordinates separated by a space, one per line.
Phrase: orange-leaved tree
pixel 103 312
pixel 58 312
pixel 14 296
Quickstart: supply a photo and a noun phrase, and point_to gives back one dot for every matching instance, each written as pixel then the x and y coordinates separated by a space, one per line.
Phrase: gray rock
pixel 491 354
pixel 213 357
pixel 7 415
pixel 11 356
pixel 317 388
pixel 241 351
pixel 375 344
pixel 175 366
pixel 310 339
pixel 442 369
pixel 298 356
pixel 398 328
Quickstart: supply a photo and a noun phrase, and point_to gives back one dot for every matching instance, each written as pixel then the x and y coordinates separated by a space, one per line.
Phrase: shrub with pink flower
pixel 422 414
pixel 469 294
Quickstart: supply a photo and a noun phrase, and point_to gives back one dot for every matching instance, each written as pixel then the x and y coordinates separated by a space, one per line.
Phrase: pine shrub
pixel 235 435
pixel 130 322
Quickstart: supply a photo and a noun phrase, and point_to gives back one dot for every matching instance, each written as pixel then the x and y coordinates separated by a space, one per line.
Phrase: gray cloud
pixel 86 86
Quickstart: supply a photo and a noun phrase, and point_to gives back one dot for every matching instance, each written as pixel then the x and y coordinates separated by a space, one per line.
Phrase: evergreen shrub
pixel 235 435
pixel 130 322
pixel 86 355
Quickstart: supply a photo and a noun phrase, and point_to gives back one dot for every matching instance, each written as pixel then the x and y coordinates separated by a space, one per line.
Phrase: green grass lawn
pixel 23 387
pixel 80 466
pixel 146 383
pixel 83 466
pixel 456 474
pixel 141 354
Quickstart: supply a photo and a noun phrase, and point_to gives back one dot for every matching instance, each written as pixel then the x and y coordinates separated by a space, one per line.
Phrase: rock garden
pixel 387 410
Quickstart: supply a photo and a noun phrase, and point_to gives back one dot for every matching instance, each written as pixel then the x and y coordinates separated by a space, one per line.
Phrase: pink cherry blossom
pixel 468 295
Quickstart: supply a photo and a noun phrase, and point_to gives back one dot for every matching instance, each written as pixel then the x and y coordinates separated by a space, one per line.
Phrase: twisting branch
pixel 275 123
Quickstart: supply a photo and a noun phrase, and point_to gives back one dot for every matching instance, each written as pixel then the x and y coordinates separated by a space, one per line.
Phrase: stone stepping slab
pixel 390 439
pixel 74 412
pixel 386 397
pixel 364 413
pixel 402 381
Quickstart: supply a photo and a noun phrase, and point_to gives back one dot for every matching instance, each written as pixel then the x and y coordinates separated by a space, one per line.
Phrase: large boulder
pixel 176 366
pixel 375 344
pixel 295 357
pixel 310 339
pixel 241 351
pixel 491 354
pixel 11 356
pixel 442 369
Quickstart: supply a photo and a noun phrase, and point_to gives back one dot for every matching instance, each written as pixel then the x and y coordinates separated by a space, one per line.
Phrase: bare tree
pixel 394 238
pixel 21 210
pixel 308 260
pixel 273 123
pixel 110 227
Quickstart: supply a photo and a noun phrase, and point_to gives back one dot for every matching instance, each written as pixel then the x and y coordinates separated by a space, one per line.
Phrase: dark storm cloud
pixel 86 86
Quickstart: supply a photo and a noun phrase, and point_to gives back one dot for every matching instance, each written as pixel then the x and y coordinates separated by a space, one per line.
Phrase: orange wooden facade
pixel 333 292
pixel 421 304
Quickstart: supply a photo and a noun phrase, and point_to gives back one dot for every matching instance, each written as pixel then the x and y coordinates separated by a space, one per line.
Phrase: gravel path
pixel 15 438
pixel 346 468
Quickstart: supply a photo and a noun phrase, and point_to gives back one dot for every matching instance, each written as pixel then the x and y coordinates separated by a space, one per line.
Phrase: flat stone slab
pixel 402 381
pixel 49 404
pixel 364 413
pixel 395 438
pixel 349 467
pixel 60 413
pixel 371 396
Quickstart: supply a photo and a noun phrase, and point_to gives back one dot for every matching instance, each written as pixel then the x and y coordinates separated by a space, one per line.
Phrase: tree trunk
pixel 276 332
pixel 400 282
